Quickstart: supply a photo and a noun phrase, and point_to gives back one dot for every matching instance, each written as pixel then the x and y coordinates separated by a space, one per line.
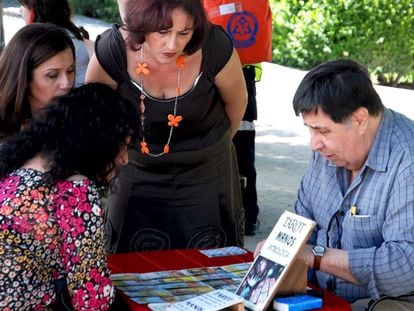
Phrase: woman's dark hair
pixel 31 46
pixel 145 16
pixel 79 133
pixel 338 88
pixel 56 12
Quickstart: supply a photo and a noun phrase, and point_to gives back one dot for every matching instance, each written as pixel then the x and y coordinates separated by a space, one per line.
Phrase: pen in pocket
pixel 353 210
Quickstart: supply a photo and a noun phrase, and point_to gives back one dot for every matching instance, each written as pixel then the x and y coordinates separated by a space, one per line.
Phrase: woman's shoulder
pixel 27 175
pixel 110 51
pixel 217 36
pixel 23 181
pixel 111 37
pixel 217 50
pixel 76 181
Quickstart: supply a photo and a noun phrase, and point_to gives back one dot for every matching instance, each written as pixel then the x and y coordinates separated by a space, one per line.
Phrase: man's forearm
pixel 334 262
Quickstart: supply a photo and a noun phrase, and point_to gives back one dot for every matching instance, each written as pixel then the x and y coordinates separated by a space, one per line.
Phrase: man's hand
pixel 307 255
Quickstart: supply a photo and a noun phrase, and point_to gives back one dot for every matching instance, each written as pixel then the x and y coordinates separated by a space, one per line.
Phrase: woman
pixel 36 65
pixel 58 12
pixel 51 179
pixel 181 188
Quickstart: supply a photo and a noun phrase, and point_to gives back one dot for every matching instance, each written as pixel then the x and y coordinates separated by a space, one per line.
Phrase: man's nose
pixel 316 142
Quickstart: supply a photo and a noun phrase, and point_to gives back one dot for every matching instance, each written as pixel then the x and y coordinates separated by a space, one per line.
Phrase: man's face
pixel 341 143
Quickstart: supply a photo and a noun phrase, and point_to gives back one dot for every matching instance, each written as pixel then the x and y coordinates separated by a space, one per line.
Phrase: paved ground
pixel 282 149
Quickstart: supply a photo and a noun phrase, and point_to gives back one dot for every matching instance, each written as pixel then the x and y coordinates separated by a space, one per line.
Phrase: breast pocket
pixel 362 231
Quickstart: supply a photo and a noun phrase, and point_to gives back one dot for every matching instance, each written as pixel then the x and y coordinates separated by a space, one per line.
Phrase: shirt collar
pixel 379 154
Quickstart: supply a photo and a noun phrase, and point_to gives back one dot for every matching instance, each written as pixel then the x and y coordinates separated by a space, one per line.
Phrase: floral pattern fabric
pixel 49 232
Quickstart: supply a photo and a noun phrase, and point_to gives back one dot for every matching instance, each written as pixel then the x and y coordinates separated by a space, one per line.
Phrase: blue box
pixel 297 303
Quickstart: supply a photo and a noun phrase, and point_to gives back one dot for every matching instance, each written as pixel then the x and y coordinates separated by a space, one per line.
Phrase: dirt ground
pixel 279 170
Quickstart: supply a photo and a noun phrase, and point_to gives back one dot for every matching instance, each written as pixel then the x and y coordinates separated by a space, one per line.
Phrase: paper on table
pixel 223 251
pixel 212 301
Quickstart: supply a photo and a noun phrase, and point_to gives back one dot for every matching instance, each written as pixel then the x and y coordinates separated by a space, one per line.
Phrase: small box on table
pixel 297 303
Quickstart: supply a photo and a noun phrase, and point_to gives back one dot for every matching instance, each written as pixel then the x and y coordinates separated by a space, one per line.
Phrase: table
pixel 190 258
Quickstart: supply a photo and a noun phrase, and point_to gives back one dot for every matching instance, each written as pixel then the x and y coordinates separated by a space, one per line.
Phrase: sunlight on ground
pixel 292 141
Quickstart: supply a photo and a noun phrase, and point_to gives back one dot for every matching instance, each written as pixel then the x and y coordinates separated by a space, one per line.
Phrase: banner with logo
pixel 248 23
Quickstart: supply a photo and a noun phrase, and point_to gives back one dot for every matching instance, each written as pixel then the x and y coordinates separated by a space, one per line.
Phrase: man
pixel 359 188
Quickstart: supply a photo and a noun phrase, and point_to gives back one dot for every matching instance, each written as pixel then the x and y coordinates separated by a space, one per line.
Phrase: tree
pixel 377 33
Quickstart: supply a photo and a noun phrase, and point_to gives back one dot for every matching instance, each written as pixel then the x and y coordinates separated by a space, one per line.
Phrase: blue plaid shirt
pixel 380 238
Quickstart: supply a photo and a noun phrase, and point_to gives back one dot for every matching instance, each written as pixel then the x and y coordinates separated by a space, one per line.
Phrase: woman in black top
pixel 181 188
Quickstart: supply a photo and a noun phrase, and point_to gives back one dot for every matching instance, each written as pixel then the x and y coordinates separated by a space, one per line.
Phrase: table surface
pixel 184 259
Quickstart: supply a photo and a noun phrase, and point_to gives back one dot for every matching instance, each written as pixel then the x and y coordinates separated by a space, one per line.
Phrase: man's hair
pixel 338 88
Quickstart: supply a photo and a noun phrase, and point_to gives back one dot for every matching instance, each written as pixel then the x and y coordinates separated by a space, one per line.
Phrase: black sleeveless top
pixel 204 118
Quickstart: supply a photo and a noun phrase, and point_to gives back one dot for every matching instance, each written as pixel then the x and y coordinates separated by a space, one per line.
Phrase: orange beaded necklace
pixel 173 119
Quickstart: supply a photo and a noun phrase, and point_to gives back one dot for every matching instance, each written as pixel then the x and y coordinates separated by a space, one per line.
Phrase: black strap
pixel 62 296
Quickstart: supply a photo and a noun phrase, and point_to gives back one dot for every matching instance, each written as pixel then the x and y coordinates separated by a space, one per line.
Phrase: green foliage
pixel 106 10
pixel 377 33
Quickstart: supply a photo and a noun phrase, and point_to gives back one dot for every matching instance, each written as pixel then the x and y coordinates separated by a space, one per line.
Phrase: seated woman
pixel 52 177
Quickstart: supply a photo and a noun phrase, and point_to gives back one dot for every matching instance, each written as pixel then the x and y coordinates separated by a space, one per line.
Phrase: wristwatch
pixel 318 252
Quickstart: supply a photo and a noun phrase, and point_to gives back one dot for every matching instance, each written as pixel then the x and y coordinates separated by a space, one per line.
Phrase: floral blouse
pixel 48 232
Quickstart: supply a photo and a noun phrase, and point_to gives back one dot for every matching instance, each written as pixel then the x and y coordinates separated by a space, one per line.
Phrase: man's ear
pixel 32 16
pixel 360 118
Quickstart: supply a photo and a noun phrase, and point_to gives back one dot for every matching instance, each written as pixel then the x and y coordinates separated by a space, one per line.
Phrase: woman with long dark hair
pixel 37 64
pixel 59 12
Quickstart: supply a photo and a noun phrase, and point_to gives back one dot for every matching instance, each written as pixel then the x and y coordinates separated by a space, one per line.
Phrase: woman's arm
pixel 95 73
pixel 232 86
